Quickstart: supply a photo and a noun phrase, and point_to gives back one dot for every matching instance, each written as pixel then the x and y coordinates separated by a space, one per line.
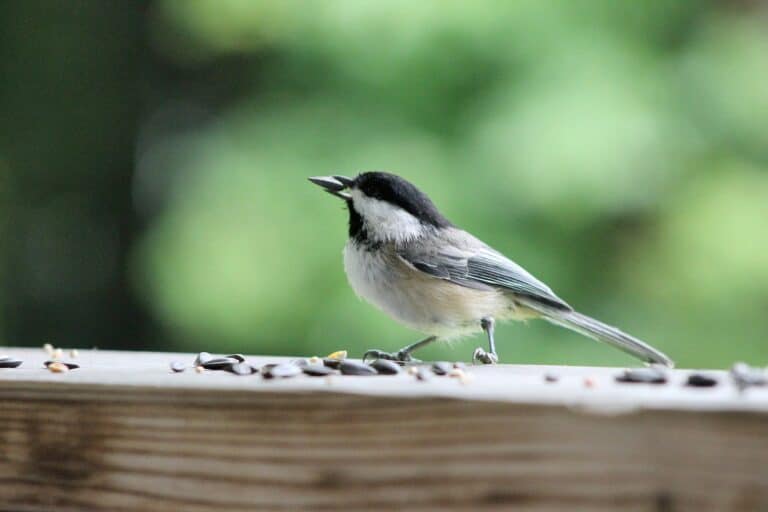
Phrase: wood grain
pixel 220 442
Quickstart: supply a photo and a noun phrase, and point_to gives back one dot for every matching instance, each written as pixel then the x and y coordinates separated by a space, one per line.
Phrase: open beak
pixel 334 185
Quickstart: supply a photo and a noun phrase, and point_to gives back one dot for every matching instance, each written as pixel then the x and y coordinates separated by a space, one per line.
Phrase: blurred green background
pixel 154 155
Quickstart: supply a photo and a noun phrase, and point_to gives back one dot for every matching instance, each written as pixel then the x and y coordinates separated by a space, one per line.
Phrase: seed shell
pixel 348 367
pixel 385 367
pixel 701 380
pixel 177 366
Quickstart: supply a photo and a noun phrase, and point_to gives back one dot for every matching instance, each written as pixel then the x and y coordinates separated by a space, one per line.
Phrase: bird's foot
pixel 401 356
pixel 480 355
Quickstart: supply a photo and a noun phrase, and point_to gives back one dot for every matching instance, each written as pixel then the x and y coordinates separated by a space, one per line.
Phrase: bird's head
pixel 383 207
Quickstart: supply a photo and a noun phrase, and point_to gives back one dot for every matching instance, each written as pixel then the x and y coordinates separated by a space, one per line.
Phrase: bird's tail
pixel 605 333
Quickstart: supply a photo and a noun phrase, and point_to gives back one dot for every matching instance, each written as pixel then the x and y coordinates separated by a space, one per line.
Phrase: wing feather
pixel 480 268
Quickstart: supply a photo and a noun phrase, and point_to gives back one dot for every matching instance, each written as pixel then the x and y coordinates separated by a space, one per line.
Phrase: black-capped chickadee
pixel 406 258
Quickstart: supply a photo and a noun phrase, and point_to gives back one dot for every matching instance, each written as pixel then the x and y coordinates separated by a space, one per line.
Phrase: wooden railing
pixel 124 433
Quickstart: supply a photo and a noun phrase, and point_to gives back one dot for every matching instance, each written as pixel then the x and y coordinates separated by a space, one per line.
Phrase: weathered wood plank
pixel 123 433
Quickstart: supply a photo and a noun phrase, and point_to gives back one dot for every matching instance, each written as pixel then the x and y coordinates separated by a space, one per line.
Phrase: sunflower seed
pixel 240 368
pixel 650 375
pixel 202 358
pixel 551 377
pixel 316 370
pixel 384 367
pixel 70 366
pixel 701 380
pixel 339 354
pixel 745 376
pixel 332 363
pixel 178 366
pixel 57 367
pixel 281 371
pixel 219 363
pixel 348 367
pixel 441 368
pixel 10 363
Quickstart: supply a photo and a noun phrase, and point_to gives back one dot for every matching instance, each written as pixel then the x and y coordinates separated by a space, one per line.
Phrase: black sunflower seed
pixel 551 377
pixel 219 363
pixel 701 380
pixel 643 375
pixel 348 367
pixel 281 371
pixel 71 366
pixel 385 367
pixel 240 368
pixel 10 363
pixel 332 363
pixel 441 368
pixel 315 370
pixel 177 366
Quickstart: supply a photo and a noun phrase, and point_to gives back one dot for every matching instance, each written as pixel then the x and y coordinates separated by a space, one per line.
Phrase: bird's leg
pixel 490 357
pixel 401 356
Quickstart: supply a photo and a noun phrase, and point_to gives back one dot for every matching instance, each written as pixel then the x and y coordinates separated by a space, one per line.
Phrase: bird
pixel 407 259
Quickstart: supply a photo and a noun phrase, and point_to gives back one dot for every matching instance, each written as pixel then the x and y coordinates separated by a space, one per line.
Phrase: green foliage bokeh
pixel 617 150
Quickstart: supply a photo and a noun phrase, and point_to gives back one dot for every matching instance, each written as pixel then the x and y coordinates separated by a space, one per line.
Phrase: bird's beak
pixel 334 185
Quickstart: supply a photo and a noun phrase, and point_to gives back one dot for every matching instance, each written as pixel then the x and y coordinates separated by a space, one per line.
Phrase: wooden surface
pixel 124 433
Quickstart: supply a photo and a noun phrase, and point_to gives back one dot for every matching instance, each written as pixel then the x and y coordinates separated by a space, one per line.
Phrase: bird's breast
pixel 422 302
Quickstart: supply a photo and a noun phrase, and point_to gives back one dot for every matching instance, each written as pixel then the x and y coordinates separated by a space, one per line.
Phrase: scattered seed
pixel 240 368
pixel 57 354
pixel 461 375
pixel 57 367
pixel 551 377
pixel 315 360
pixel 239 357
pixel 74 353
pixel 332 363
pixel 384 367
pixel 339 354
pixel 589 382
pixel 9 362
pixel 219 363
pixel 441 368
pixel 421 373
pixel 745 376
pixel 178 366
pixel 348 367
pixel 199 369
pixel 459 365
pixel 701 380
pixel 317 370
pixel 267 368
pixel 651 375
pixel 202 358
pixel 412 370
pixel 70 366
pixel 281 371
pixel 48 349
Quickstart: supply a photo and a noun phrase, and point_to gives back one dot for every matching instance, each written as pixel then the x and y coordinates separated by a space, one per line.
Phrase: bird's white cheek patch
pixel 385 221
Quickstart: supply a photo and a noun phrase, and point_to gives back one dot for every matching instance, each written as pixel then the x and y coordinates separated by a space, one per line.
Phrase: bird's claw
pixel 401 356
pixel 480 355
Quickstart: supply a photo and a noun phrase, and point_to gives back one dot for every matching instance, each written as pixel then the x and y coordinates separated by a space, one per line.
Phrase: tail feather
pixel 605 333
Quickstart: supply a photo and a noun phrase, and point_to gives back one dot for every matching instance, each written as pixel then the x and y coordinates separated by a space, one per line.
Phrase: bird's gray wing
pixel 479 267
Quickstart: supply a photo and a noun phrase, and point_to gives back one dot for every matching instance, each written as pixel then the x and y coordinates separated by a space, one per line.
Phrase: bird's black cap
pixel 395 190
